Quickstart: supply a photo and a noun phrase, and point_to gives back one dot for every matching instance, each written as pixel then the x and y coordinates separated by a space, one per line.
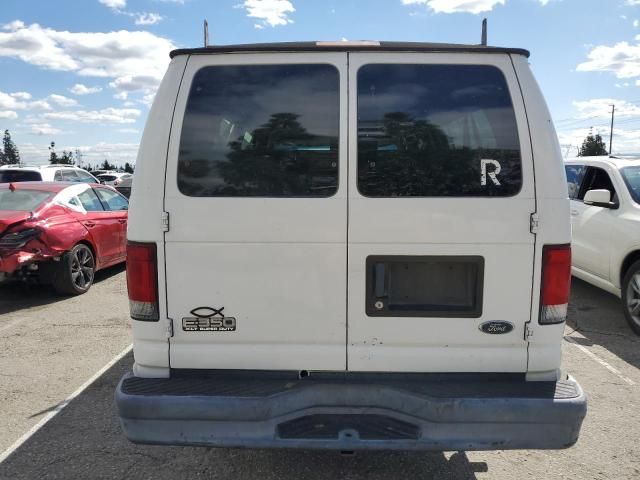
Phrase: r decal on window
pixel 493 174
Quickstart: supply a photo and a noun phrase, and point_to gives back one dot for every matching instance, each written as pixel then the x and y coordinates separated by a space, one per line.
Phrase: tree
pixel 107 166
pixel 66 158
pixel 53 157
pixel 10 154
pixel 128 168
pixel 592 146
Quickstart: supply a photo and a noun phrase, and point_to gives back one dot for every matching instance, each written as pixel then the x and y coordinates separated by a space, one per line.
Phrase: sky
pixel 83 73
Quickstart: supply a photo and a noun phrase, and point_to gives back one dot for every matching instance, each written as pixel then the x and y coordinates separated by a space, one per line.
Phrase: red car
pixel 61 233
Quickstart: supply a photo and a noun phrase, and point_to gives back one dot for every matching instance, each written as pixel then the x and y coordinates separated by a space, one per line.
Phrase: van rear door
pixel 256 185
pixel 441 189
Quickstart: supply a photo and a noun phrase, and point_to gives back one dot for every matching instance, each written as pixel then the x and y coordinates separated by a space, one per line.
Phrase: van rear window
pixel 436 131
pixel 19 200
pixel 261 131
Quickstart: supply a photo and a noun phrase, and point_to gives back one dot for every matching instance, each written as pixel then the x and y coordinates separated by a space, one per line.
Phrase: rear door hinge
pixel 534 222
pixel 165 221
pixel 169 328
pixel 528 332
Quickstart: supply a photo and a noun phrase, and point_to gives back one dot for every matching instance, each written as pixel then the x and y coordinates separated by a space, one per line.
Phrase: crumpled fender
pixel 33 251
pixel 59 234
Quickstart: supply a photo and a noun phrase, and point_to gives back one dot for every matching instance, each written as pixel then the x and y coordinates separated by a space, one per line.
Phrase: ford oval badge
pixel 496 327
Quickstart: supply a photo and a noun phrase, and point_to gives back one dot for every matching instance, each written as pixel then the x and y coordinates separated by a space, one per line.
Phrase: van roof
pixel 348 46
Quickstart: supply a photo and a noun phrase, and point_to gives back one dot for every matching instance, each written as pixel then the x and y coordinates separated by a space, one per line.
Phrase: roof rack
pixel 365 46
pixel 370 46
pixel 19 165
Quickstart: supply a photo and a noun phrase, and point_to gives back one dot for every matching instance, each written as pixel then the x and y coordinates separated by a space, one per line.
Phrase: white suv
pixel 114 178
pixel 605 218
pixel 349 246
pixel 45 173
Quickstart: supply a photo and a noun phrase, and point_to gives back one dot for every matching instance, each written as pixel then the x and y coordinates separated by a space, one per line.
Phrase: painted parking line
pixel 63 404
pixel 595 357
pixel 13 324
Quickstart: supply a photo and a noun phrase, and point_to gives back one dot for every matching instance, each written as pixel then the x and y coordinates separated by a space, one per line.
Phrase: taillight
pixel 142 280
pixel 15 240
pixel 556 283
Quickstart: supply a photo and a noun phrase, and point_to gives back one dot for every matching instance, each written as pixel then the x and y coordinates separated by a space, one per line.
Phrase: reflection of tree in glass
pixel 272 160
pixel 415 158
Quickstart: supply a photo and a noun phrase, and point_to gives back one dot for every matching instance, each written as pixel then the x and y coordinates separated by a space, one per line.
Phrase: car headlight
pixel 18 239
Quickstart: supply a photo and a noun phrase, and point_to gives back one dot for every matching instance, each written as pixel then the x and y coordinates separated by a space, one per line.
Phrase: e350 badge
pixel 207 319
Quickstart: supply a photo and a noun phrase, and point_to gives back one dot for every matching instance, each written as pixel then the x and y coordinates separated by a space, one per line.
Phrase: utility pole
pixel 78 158
pixel 613 112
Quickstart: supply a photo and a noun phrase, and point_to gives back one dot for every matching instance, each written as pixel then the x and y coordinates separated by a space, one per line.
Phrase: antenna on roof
pixel 206 33
pixel 483 40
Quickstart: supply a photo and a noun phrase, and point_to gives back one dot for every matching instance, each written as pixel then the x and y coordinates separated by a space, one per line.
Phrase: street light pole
pixel 613 112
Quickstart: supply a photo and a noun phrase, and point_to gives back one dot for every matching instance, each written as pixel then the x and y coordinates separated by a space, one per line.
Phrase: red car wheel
pixel 76 271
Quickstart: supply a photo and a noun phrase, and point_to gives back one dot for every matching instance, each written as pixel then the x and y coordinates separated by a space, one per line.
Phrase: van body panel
pixel 443 344
pixel 495 228
pixel 552 206
pixel 146 207
pixel 287 314
pixel 276 265
pixel 342 269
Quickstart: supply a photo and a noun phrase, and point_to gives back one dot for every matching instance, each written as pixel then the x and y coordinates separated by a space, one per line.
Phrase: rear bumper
pixel 343 412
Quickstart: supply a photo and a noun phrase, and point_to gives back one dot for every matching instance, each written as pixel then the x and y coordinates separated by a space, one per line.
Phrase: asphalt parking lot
pixel 50 346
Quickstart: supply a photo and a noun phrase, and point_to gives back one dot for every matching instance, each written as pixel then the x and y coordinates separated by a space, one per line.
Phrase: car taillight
pixel 142 280
pixel 15 240
pixel 556 283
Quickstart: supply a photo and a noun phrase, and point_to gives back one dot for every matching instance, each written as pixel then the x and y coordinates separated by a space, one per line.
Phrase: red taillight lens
pixel 142 280
pixel 556 283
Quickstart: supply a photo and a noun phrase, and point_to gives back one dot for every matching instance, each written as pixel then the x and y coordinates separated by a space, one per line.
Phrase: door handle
pixel 380 279
pixel 122 220
pixel 574 212
pixel 89 224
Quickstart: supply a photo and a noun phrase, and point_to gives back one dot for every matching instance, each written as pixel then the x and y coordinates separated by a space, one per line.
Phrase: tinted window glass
pixel 631 177
pixel 84 177
pixel 436 130
pixel 90 201
pixel 107 178
pixel 261 131
pixel 22 199
pixel 597 179
pixel 575 174
pixel 70 176
pixel 113 200
pixel 7 176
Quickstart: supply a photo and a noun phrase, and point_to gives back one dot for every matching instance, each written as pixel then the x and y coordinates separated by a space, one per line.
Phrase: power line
pixel 572 120
pixel 626 122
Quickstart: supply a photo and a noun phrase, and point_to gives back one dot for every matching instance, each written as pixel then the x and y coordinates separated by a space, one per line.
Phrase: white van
pixel 350 245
